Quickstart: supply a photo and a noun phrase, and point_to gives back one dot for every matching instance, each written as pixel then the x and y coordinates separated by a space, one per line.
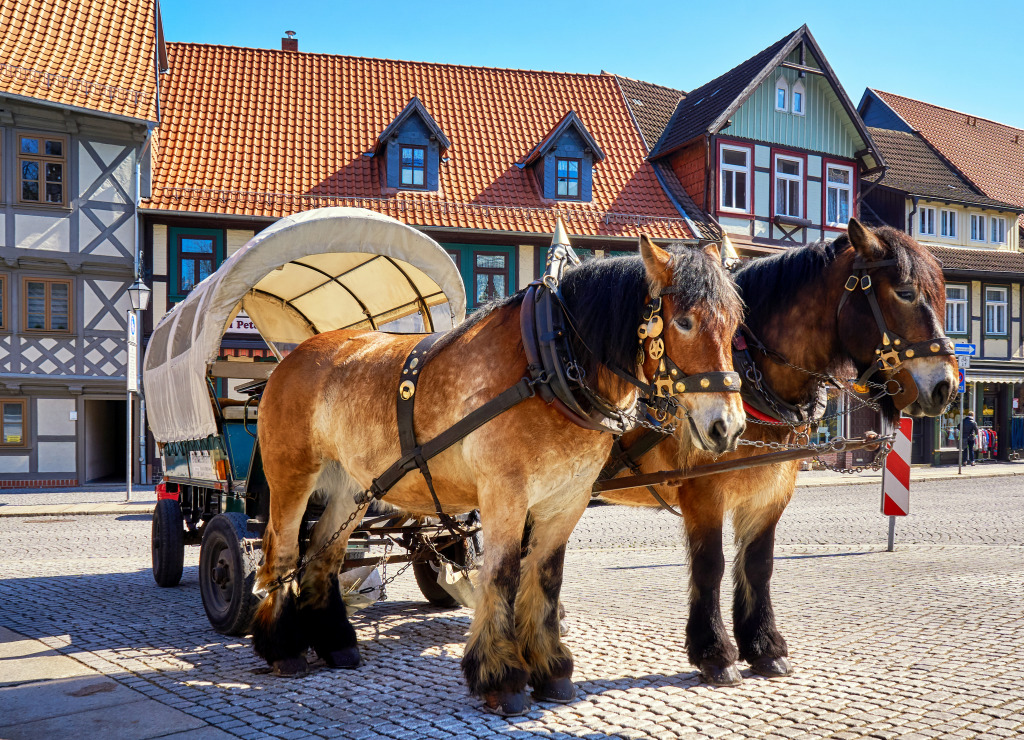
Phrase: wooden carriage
pixel 317 271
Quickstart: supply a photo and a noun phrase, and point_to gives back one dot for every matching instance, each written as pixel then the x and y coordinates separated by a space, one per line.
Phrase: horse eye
pixel 906 294
pixel 685 323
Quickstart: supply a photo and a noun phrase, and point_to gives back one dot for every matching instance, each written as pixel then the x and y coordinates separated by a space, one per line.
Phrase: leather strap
pixel 628 458
pixel 407 384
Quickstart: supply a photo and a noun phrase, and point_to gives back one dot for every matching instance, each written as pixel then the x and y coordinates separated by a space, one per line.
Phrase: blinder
pixel 892 350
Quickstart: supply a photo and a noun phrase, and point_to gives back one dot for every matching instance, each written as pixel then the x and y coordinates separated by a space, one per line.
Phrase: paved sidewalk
pixel 92 500
pixel 46 694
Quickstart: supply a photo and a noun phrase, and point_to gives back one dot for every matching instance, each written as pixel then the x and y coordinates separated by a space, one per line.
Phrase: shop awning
pixel 990 378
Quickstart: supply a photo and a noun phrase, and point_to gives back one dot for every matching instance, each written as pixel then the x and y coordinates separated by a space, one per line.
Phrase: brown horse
pixel 795 308
pixel 328 423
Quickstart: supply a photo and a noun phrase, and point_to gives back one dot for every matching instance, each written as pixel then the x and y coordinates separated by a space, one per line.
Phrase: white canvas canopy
pixel 316 271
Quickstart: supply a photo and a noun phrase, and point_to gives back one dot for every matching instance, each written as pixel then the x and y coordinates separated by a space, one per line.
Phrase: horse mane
pixel 767 284
pixel 606 299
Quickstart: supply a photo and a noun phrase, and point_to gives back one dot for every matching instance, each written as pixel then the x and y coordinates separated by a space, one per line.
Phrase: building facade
pixel 977 239
pixel 70 147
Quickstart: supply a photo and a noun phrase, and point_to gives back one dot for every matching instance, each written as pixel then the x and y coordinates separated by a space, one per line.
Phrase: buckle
pixel 865 283
pixel 851 283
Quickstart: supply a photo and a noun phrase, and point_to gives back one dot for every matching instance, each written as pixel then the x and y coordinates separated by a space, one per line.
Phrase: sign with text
pixel 242 325
pixel 896 472
pixel 133 353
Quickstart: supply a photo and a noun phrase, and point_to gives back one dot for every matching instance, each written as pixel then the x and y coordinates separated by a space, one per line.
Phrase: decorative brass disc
pixel 657 348
pixel 655 326
pixel 406 389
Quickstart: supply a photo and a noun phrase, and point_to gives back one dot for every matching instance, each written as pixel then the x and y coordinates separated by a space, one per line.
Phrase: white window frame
pixel 977 227
pixel 838 186
pixel 998 229
pixel 798 89
pixel 799 178
pixel 926 221
pixel 723 168
pixel 947 223
pixel 996 311
pixel 957 306
pixel 782 84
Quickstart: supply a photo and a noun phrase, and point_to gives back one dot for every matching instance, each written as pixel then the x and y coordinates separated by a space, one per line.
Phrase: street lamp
pixel 139 294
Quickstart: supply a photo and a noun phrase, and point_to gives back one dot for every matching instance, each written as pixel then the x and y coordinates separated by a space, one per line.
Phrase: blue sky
pixel 965 56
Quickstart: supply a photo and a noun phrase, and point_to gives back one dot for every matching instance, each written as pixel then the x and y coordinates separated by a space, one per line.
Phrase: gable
pixel 825 126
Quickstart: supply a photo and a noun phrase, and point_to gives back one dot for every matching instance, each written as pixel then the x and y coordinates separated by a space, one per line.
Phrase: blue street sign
pixel 965 349
pixel 962 381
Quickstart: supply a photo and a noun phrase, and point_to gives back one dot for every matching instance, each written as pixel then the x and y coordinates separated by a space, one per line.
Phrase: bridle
pixel 546 322
pixel 892 350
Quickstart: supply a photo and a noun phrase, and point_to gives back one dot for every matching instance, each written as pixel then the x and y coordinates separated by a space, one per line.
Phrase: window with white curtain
pixel 995 310
pixel 956 309
pixel 735 169
pixel 998 230
pixel 789 185
pixel 838 195
pixel 977 227
pixel 947 224
pixel 926 221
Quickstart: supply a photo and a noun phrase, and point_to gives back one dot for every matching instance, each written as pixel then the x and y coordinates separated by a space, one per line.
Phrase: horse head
pixel 891 318
pixel 700 311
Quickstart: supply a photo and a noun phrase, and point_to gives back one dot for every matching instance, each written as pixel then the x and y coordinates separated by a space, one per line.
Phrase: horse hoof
pixel 506 703
pixel 772 667
pixel 344 658
pixel 291 667
pixel 558 690
pixel 719 676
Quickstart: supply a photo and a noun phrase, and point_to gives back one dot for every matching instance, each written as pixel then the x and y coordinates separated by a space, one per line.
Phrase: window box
pixel 781 220
pixel 46 305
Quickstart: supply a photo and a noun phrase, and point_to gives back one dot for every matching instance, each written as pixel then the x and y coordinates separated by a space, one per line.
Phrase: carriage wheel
pixel 168 543
pixel 227 572
pixel 463 552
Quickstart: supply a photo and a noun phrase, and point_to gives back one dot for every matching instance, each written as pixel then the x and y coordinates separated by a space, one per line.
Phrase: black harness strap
pixel 628 459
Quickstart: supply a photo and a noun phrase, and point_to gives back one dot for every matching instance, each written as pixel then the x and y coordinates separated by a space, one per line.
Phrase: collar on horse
pixel 546 323
pixel 892 350
pixel 760 400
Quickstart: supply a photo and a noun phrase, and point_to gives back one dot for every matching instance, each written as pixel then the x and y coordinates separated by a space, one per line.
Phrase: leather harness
pixel 762 402
pixel 552 373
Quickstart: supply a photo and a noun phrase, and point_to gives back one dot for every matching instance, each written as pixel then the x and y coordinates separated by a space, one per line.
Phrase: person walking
pixel 969 434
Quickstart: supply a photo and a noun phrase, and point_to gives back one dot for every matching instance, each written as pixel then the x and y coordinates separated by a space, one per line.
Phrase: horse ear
pixel 658 263
pixel 864 241
pixel 711 249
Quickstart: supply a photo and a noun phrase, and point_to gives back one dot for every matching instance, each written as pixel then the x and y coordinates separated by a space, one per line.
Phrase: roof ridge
pixel 947 108
pixel 646 82
pixel 388 59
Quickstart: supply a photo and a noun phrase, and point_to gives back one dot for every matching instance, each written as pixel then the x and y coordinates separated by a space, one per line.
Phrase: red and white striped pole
pixel 896 477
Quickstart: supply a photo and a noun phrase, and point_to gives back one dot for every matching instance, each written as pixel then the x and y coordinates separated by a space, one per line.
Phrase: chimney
pixel 290 43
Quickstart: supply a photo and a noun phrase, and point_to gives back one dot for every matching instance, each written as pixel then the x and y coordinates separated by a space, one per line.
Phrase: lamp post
pixel 139 294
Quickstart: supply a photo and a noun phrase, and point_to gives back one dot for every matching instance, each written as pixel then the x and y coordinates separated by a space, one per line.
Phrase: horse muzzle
pixel 717 428
pixel 935 381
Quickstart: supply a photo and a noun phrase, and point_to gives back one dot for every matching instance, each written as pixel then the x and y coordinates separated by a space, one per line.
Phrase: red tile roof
pixel 98 55
pixel 990 154
pixel 262 132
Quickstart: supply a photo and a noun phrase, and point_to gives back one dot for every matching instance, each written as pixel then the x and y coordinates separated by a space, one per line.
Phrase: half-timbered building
pixel 78 98
pixel 953 181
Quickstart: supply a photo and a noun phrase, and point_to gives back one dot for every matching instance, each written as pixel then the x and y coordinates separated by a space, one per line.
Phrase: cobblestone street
pixel 924 642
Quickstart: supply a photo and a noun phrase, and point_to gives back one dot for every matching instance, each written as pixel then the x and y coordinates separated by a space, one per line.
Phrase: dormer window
pixel 414 167
pixel 565 159
pixel 568 174
pixel 411 147
pixel 799 98
pixel 782 95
